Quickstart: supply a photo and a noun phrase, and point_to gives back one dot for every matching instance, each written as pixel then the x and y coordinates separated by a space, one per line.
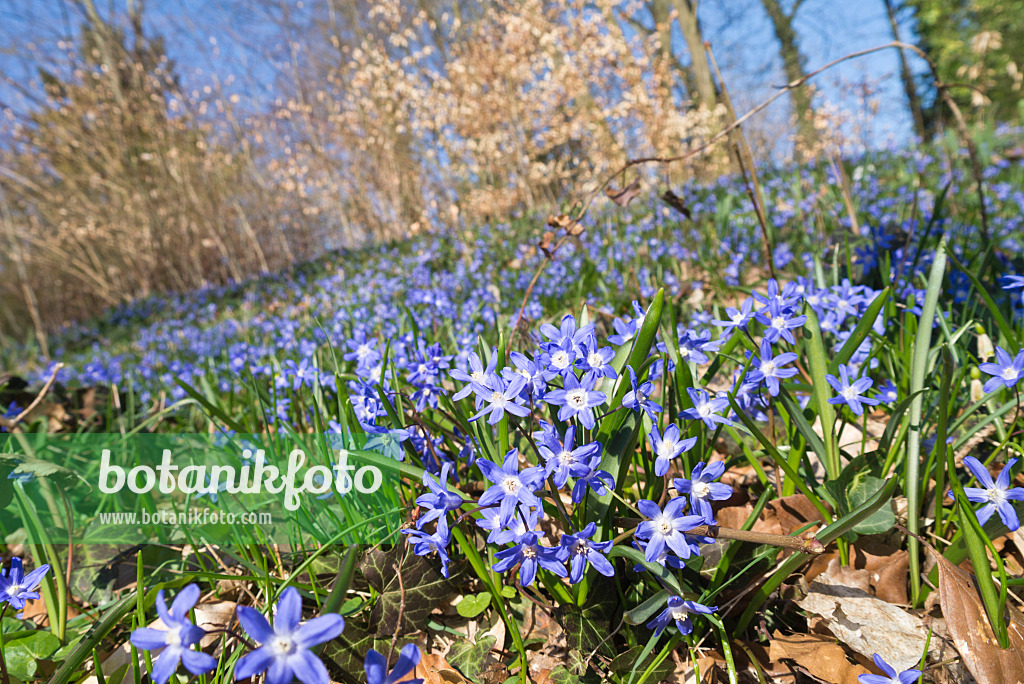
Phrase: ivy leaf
pixel 471 658
pixel 410 586
pixel 19 464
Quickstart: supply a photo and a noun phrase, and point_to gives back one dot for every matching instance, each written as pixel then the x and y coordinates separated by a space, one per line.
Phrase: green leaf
pixel 818 369
pixel 472 605
pixel 19 464
pixel 881 520
pixel 561 675
pixel 71 669
pixel 585 629
pixel 23 654
pixel 635 659
pixel 646 610
pixel 660 571
pixel 860 332
pixel 409 586
pixel 471 659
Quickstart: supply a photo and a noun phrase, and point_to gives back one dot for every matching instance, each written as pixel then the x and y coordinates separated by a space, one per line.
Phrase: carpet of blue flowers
pixel 574 464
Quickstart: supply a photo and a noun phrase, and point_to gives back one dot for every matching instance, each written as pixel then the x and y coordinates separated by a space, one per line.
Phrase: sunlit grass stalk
pixel 919 369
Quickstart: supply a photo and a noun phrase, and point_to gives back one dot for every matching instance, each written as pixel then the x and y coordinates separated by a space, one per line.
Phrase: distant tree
pixel 893 9
pixel 978 44
pixel 793 64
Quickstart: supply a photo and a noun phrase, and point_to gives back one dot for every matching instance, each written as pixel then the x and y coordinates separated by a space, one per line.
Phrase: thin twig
pixel 11 423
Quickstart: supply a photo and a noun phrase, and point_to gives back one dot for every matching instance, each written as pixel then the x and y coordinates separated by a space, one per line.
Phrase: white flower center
pixel 511 484
pixel 565 457
pixel 684 352
pixel 173 638
pixel 560 359
pixel 576 398
pixel 1009 374
pixel 704 410
pixel 996 495
pixel 528 552
pixel 768 368
pixel 667 448
pixel 663 524
pixel 477 376
pixel 738 317
pixel 594 360
pixel 363 351
pixel 679 613
pixel 15 589
pixel 779 322
pixel 700 489
pixel 498 399
pixel 849 393
pixel 282 645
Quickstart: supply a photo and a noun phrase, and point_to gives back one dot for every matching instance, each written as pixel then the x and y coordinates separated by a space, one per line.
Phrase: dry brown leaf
pixel 820 656
pixel 790 513
pixel 623 196
pixel 887 569
pixel 433 669
pixel 971 632
pixel 676 202
pixel 866 624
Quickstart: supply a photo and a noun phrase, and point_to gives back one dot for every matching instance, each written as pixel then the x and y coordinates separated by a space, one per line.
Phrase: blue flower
pixel 779 323
pixel 530 555
pixel 424 544
pixel 598 480
pixel 284 648
pixel 376 666
pixel 995 495
pixel 702 488
pixel 738 318
pixel 1005 371
pixel 177 640
pixel 679 610
pixel 577 399
pixel 387 442
pixel 891 676
pixel 666 528
pixel 578 550
pixel 1012 282
pixel 850 392
pixel 510 487
pixel 887 392
pixel 565 459
pixel 638 398
pixel 769 369
pixel 439 500
pixel 16 587
pixel 705 408
pixel 500 397
pixel 597 361
pixel 667 446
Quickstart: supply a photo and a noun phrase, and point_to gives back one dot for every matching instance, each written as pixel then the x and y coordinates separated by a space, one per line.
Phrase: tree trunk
pixel 793 65
pixel 686 11
pixel 909 87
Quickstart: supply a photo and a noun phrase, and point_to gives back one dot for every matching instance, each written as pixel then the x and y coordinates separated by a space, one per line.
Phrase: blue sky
pixel 230 37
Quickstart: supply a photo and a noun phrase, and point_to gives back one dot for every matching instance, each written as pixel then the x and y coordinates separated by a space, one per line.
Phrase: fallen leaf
pixel 866 624
pixel 433 669
pixel 545 242
pixel 676 202
pixel 972 635
pixel 820 656
pixel 624 196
